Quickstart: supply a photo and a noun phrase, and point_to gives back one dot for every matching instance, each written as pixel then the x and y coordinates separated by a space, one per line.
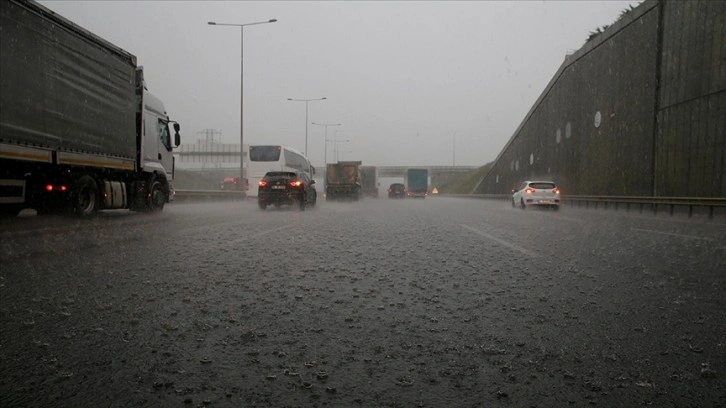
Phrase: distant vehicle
pixel 417 183
pixel 286 188
pixel 233 184
pixel 343 180
pixel 397 190
pixel 537 193
pixel 369 181
pixel 79 132
pixel 266 158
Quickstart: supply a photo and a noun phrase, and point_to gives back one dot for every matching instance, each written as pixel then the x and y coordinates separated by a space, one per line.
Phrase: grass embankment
pixel 467 182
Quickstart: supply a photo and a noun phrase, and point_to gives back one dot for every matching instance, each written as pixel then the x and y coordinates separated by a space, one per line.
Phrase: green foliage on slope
pixel 467 182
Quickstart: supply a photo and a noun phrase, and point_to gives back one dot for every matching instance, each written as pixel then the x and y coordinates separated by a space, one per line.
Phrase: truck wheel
pixel 156 196
pixel 85 198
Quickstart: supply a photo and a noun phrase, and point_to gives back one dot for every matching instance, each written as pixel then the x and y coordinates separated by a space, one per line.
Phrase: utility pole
pixel 211 145
pixel 209 134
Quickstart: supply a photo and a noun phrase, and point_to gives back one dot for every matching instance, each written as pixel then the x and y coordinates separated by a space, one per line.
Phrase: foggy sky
pixel 407 80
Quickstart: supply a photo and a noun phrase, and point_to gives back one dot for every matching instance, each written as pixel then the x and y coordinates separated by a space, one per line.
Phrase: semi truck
pixel 343 181
pixel 417 183
pixel 369 181
pixel 79 131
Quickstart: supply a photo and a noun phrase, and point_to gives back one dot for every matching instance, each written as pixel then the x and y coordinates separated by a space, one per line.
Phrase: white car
pixel 539 193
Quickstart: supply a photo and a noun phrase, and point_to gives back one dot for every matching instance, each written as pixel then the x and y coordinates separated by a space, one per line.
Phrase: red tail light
pixel 529 190
pixel 262 183
pixel 556 190
pixel 295 183
pixel 50 187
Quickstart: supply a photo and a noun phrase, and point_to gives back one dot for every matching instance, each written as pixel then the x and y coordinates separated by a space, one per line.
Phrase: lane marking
pixel 672 234
pixel 501 241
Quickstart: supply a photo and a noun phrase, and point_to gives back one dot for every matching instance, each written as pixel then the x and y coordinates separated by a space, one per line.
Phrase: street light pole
pixel 326 139
pixel 306 117
pixel 325 156
pixel 335 146
pixel 241 88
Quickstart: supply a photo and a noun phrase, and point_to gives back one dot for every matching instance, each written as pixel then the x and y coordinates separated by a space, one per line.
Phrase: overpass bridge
pixel 399 171
pixel 210 177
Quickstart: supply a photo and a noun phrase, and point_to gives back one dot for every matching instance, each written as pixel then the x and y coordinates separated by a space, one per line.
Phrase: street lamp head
pixel 274 20
pixel 324 97
pixel 212 23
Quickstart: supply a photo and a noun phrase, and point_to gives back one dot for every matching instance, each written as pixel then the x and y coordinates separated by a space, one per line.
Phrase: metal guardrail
pixel 652 203
pixel 711 203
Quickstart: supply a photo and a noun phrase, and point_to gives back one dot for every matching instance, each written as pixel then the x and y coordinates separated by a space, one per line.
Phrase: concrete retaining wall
pixel 639 110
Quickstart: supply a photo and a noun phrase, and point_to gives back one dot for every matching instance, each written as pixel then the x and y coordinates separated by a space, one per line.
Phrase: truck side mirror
pixel 177 138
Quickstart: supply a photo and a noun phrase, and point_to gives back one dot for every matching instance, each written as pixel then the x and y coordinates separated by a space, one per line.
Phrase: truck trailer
pixel 417 183
pixel 343 181
pixel 79 131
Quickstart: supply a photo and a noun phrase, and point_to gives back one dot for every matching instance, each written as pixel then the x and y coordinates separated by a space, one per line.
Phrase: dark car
pixel 397 190
pixel 286 188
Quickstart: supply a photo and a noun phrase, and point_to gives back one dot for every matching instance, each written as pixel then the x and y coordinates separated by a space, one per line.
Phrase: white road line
pixel 501 241
pixel 259 234
pixel 672 234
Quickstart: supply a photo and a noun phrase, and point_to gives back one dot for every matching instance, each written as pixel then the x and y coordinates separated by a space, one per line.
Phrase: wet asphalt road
pixel 440 302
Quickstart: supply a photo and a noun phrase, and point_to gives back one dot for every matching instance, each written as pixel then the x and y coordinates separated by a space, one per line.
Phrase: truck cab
pixel 157 144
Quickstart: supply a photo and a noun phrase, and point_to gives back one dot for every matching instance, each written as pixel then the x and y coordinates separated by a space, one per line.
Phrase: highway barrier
pixel 208 195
